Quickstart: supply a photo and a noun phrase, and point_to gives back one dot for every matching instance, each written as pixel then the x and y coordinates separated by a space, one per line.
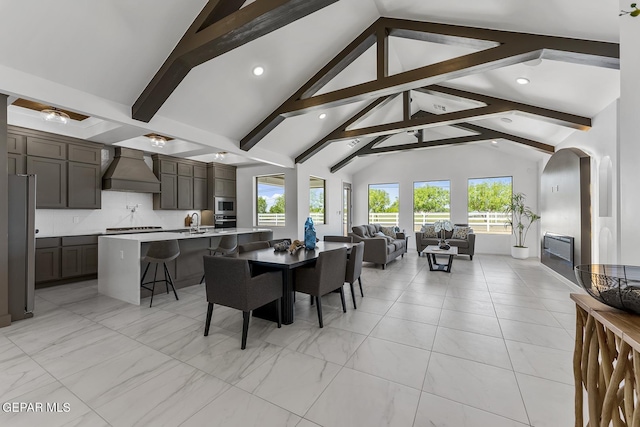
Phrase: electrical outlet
pixel 76 219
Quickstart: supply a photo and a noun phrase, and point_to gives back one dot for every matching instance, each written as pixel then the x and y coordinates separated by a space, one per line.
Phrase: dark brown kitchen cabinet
pixel 84 154
pixel 168 197
pixel 43 147
pixel 199 193
pixel 60 258
pixel 51 181
pixel 224 188
pixel 16 164
pixel 71 261
pixel 89 259
pixel 47 264
pixel 16 143
pixel 225 172
pixel 183 183
pixel 185 192
pixel 85 186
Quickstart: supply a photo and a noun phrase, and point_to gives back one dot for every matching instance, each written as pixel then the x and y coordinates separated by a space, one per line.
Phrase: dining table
pixel 286 262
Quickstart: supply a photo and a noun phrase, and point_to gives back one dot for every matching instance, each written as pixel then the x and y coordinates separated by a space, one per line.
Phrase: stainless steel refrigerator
pixel 22 245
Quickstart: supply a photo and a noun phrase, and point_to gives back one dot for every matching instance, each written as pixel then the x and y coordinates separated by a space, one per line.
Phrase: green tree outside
pixel 431 199
pixel 262 205
pixel 316 200
pixel 379 200
pixel 278 205
pixel 489 196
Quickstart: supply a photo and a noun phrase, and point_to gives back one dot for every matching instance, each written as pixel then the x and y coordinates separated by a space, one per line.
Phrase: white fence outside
pixel 481 222
pixel 277 219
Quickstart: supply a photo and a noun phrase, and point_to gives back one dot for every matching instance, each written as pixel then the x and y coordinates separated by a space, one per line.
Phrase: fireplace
pixel 558 254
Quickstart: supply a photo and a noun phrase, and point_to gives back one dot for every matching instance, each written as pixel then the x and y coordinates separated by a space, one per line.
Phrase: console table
pixel 606 363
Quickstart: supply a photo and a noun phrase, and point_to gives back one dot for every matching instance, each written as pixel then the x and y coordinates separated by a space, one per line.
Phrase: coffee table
pixel 433 250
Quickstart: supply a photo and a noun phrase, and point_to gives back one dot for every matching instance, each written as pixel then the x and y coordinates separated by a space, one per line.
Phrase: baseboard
pixel 5 320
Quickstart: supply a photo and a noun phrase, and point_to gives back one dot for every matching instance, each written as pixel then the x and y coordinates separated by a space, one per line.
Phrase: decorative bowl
pixel 617 286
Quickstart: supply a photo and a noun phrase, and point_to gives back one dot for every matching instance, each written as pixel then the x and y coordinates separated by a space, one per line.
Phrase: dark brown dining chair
pixel 227 246
pixel 326 276
pixel 160 252
pixel 253 246
pixel 343 239
pixel 229 283
pixel 354 269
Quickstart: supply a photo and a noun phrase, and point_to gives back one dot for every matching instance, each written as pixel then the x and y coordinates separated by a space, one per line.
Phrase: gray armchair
pixel 326 276
pixel 229 283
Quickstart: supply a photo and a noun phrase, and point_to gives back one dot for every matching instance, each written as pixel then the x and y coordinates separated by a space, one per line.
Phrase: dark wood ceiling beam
pixel 588 52
pixel 462 66
pixel 500 49
pixel 382 52
pixel 358 117
pixel 495 134
pixel 357 47
pixel 406 105
pixel 202 43
pixel 361 152
pixel 550 116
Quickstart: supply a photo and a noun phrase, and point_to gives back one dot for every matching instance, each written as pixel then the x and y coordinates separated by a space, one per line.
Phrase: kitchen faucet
pixel 197 222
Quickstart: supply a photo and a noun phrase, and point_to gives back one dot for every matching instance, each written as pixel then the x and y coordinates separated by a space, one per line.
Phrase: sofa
pixel 379 247
pixel 465 246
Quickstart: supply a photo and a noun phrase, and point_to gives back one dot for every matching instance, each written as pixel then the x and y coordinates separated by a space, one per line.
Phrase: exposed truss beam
pixel 480 134
pixel 221 27
pixel 349 54
pixel 501 48
pixel 355 119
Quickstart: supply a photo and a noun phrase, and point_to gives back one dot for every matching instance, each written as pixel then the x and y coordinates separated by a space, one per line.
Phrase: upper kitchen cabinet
pixel 221 182
pixel 67 169
pixel 182 183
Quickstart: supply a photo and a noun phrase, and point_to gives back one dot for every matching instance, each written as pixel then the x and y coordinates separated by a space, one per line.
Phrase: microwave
pixel 224 206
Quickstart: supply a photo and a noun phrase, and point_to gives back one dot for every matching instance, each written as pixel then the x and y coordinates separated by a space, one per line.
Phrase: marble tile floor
pixel 488 345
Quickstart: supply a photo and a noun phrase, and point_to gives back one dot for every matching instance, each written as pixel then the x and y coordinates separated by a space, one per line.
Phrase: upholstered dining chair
pixel 253 246
pixel 229 283
pixel 354 269
pixel 326 276
pixel 343 239
pixel 160 252
pixel 228 245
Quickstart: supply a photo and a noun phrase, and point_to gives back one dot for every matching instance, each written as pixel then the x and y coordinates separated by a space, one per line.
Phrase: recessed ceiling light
pixel 506 120
pixel 258 71
pixel 494 142
pixel 322 116
pixel 522 80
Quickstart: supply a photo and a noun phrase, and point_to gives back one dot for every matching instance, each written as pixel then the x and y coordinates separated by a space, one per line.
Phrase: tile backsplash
pixel 114 213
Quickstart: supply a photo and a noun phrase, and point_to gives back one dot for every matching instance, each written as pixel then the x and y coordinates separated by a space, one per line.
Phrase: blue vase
pixel 309 234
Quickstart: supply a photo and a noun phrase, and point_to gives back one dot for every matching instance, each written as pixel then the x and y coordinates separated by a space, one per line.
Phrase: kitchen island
pixel 120 258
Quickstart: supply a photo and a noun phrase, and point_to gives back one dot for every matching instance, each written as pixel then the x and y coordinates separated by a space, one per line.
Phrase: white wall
pixel 66 222
pixel 629 146
pixel 246 198
pixel 456 164
pixel 600 142
pixel 296 196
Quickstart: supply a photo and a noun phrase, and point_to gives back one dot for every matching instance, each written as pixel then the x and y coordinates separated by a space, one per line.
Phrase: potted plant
pixel 521 217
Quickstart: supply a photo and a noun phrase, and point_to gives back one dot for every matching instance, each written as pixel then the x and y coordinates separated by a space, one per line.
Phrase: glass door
pixel 346 208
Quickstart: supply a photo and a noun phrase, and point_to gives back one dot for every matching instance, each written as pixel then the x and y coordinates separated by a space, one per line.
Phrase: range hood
pixel 129 172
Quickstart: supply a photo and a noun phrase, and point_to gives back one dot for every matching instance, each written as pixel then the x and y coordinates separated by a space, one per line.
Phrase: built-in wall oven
pixel 224 221
pixel 224 206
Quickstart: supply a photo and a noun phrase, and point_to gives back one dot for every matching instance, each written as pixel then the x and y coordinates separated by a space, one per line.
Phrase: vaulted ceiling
pixel 97 58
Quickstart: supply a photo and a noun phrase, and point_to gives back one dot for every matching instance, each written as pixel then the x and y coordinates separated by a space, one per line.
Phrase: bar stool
pixel 228 245
pixel 160 253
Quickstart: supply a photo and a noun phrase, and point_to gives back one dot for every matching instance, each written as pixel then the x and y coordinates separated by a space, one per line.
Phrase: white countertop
pixel 168 235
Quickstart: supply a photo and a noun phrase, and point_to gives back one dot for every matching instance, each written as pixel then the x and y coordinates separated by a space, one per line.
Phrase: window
pixel 270 204
pixel 383 204
pixel 488 198
pixel 317 199
pixel 431 202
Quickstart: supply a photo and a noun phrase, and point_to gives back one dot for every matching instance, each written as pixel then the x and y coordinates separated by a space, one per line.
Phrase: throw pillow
pixel 381 234
pixel 429 231
pixel 460 233
pixel 388 231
